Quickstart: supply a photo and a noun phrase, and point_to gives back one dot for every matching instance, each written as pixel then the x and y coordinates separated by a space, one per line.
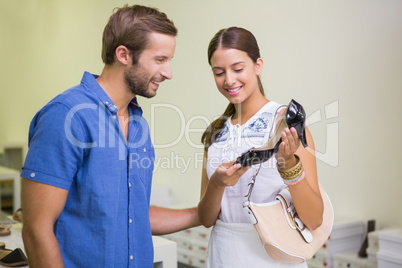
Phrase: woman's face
pixel 235 74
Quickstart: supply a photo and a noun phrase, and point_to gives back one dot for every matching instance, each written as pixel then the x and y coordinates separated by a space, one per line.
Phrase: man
pixel 88 172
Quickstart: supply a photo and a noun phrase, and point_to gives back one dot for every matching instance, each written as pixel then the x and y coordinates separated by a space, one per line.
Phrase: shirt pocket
pixel 143 163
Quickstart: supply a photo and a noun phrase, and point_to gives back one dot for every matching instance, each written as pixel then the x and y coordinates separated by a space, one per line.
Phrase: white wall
pixel 341 59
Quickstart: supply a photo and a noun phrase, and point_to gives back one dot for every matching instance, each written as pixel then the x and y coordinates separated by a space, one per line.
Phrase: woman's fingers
pixel 228 174
pixel 235 170
pixel 295 137
pixel 290 143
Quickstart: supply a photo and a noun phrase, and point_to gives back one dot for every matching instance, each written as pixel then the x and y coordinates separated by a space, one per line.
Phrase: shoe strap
pixel 274 121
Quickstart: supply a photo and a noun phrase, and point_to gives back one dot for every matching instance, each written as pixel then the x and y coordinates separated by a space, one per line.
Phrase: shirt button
pixel 129 184
pixel 32 175
pixel 131 257
pixel 145 150
pixel 106 102
pixel 130 220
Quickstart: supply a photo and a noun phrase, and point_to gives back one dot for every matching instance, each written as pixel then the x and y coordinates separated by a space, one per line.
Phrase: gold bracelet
pixel 293 172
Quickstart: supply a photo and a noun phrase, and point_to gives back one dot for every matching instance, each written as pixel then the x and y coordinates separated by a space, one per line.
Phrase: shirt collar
pixel 89 80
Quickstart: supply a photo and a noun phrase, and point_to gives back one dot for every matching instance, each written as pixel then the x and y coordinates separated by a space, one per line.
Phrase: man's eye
pixel 239 70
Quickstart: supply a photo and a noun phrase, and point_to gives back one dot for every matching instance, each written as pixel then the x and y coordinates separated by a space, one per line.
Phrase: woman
pixel 234 56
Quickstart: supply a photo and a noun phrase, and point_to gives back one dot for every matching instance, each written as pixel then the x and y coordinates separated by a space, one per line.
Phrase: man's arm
pixel 166 220
pixel 42 205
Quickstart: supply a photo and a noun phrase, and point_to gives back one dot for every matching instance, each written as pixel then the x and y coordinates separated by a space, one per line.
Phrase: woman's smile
pixel 234 90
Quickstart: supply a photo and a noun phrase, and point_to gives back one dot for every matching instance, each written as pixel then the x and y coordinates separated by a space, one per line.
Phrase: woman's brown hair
pixel 237 38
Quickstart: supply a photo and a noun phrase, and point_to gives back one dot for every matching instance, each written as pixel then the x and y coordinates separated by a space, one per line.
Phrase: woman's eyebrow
pixel 236 63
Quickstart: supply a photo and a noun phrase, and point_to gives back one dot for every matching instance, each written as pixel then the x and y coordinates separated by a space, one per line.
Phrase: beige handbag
pixel 283 235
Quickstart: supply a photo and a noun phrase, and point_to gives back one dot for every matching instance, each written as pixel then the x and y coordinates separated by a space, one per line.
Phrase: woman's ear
pixel 259 64
pixel 122 55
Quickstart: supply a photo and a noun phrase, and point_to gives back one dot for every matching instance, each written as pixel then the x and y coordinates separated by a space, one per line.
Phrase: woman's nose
pixel 229 80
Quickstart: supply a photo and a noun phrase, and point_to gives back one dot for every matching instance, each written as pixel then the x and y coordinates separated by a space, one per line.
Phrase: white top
pixel 231 143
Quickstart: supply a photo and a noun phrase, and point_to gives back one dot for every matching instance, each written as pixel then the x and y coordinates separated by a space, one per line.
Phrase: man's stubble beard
pixel 137 82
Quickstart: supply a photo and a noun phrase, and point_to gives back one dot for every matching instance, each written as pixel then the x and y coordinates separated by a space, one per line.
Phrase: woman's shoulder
pixel 272 105
pixel 268 110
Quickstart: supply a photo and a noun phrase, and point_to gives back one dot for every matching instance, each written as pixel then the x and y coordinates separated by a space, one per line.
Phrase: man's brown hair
pixel 130 26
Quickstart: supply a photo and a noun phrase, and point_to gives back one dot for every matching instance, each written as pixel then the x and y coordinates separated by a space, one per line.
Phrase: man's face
pixel 153 66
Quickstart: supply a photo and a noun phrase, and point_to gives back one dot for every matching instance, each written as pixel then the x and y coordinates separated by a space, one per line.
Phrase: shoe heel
pixel 296 117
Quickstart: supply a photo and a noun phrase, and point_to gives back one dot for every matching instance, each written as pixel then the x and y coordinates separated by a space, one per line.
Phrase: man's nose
pixel 167 71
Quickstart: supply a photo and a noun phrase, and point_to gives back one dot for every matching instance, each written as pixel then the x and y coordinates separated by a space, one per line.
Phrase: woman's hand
pixel 227 174
pixel 212 190
pixel 287 148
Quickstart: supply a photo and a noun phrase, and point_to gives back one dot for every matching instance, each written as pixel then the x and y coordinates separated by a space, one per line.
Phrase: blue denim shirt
pixel 76 143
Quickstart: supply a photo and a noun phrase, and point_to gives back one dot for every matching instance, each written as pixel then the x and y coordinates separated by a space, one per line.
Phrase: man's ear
pixel 259 64
pixel 123 55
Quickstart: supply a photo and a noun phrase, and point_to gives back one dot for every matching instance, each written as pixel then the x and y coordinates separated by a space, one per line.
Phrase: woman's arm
pixel 212 190
pixel 42 205
pixel 305 194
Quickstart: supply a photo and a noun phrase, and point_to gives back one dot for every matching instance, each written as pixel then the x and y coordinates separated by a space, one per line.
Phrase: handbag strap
pixel 252 182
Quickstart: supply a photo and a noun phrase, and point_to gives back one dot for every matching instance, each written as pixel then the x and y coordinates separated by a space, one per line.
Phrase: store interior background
pixel 341 59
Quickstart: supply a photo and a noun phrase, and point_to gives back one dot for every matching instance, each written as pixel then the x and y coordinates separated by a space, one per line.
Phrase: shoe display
pixel 294 116
pixel 17 216
pixel 13 258
pixel 4 251
pixel 5 229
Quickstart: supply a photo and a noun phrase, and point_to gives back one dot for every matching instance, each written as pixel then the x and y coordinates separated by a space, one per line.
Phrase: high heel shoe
pixel 294 116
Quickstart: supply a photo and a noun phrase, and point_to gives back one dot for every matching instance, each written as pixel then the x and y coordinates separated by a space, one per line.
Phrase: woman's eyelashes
pixel 235 70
